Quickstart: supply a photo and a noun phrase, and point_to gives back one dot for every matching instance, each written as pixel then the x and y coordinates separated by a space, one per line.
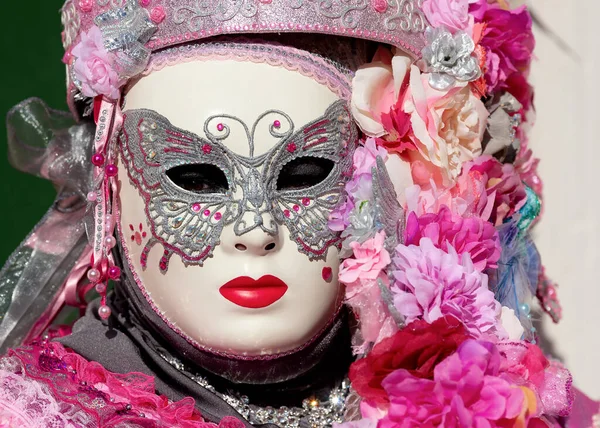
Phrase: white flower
pixel 511 324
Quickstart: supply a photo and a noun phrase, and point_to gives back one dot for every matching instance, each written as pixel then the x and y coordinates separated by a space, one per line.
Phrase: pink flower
pixel 370 258
pixel 468 390
pixel 430 283
pixel 380 6
pixel 86 5
pixel 362 423
pixel 365 157
pixel 549 379
pixel 376 89
pixel 470 235
pixel 452 14
pixel 157 14
pixel 505 191
pixel 360 275
pixel 448 127
pixel 508 41
pixel 94 66
pixel 339 217
pixel 231 422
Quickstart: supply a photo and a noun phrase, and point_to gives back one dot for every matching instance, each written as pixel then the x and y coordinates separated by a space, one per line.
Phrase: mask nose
pixel 257 243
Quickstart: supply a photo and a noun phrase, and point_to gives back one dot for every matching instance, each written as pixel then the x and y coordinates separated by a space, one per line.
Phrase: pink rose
pixel 448 127
pixel 380 6
pixel 370 258
pixel 360 274
pixel 376 88
pixel 157 14
pixel 452 14
pixel 94 66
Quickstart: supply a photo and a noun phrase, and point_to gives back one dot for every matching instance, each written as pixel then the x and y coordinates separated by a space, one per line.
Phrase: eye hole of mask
pixel 304 172
pixel 199 178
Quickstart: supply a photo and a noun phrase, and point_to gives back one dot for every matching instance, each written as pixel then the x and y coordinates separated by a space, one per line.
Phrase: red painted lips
pixel 251 293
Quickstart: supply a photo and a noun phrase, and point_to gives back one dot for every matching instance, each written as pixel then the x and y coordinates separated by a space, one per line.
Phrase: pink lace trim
pixel 325 72
pixel 24 402
pixel 107 399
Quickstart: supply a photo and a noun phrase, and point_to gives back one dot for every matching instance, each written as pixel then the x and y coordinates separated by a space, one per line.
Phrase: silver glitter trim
pixel 313 413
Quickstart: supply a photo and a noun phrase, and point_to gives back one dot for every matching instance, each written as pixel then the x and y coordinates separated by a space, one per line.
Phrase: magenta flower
pixel 468 390
pixel 94 66
pixel 430 283
pixel 470 235
pixel 505 191
pixel 508 41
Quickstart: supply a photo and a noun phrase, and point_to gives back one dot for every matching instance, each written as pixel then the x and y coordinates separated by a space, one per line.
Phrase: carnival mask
pixel 225 198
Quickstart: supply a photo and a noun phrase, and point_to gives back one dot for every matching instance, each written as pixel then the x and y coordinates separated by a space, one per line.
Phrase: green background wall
pixel 31 66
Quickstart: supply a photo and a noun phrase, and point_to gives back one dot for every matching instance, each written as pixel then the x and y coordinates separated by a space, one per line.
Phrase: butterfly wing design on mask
pixel 305 211
pixel 389 214
pixel 184 222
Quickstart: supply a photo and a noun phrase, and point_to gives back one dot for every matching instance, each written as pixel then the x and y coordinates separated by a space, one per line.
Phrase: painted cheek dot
pixel 327 274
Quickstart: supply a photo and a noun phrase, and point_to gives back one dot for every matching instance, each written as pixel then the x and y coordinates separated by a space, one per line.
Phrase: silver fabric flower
pixel 500 139
pixel 449 58
pixel 361 228
pixel 125 30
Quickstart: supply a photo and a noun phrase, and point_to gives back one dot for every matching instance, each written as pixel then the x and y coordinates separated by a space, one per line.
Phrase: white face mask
pixel 263 279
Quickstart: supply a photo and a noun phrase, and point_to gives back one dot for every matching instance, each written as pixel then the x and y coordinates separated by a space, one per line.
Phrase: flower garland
pixel 445 331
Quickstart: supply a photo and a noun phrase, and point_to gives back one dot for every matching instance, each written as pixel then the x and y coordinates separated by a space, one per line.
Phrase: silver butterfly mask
pixel 189 224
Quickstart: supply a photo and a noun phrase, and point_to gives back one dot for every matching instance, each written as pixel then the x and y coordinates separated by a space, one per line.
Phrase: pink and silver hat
pixel 131 30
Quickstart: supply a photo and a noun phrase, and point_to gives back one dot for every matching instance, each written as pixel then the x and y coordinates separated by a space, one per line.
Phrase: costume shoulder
pixel 47 385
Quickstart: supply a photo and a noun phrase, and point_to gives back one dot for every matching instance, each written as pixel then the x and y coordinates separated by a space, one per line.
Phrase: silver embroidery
pixel 124 31
pixel 113 3
pixel 190 224
pixel 343 10
pixel 389 214
pixel 409 16
pixel 223 10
